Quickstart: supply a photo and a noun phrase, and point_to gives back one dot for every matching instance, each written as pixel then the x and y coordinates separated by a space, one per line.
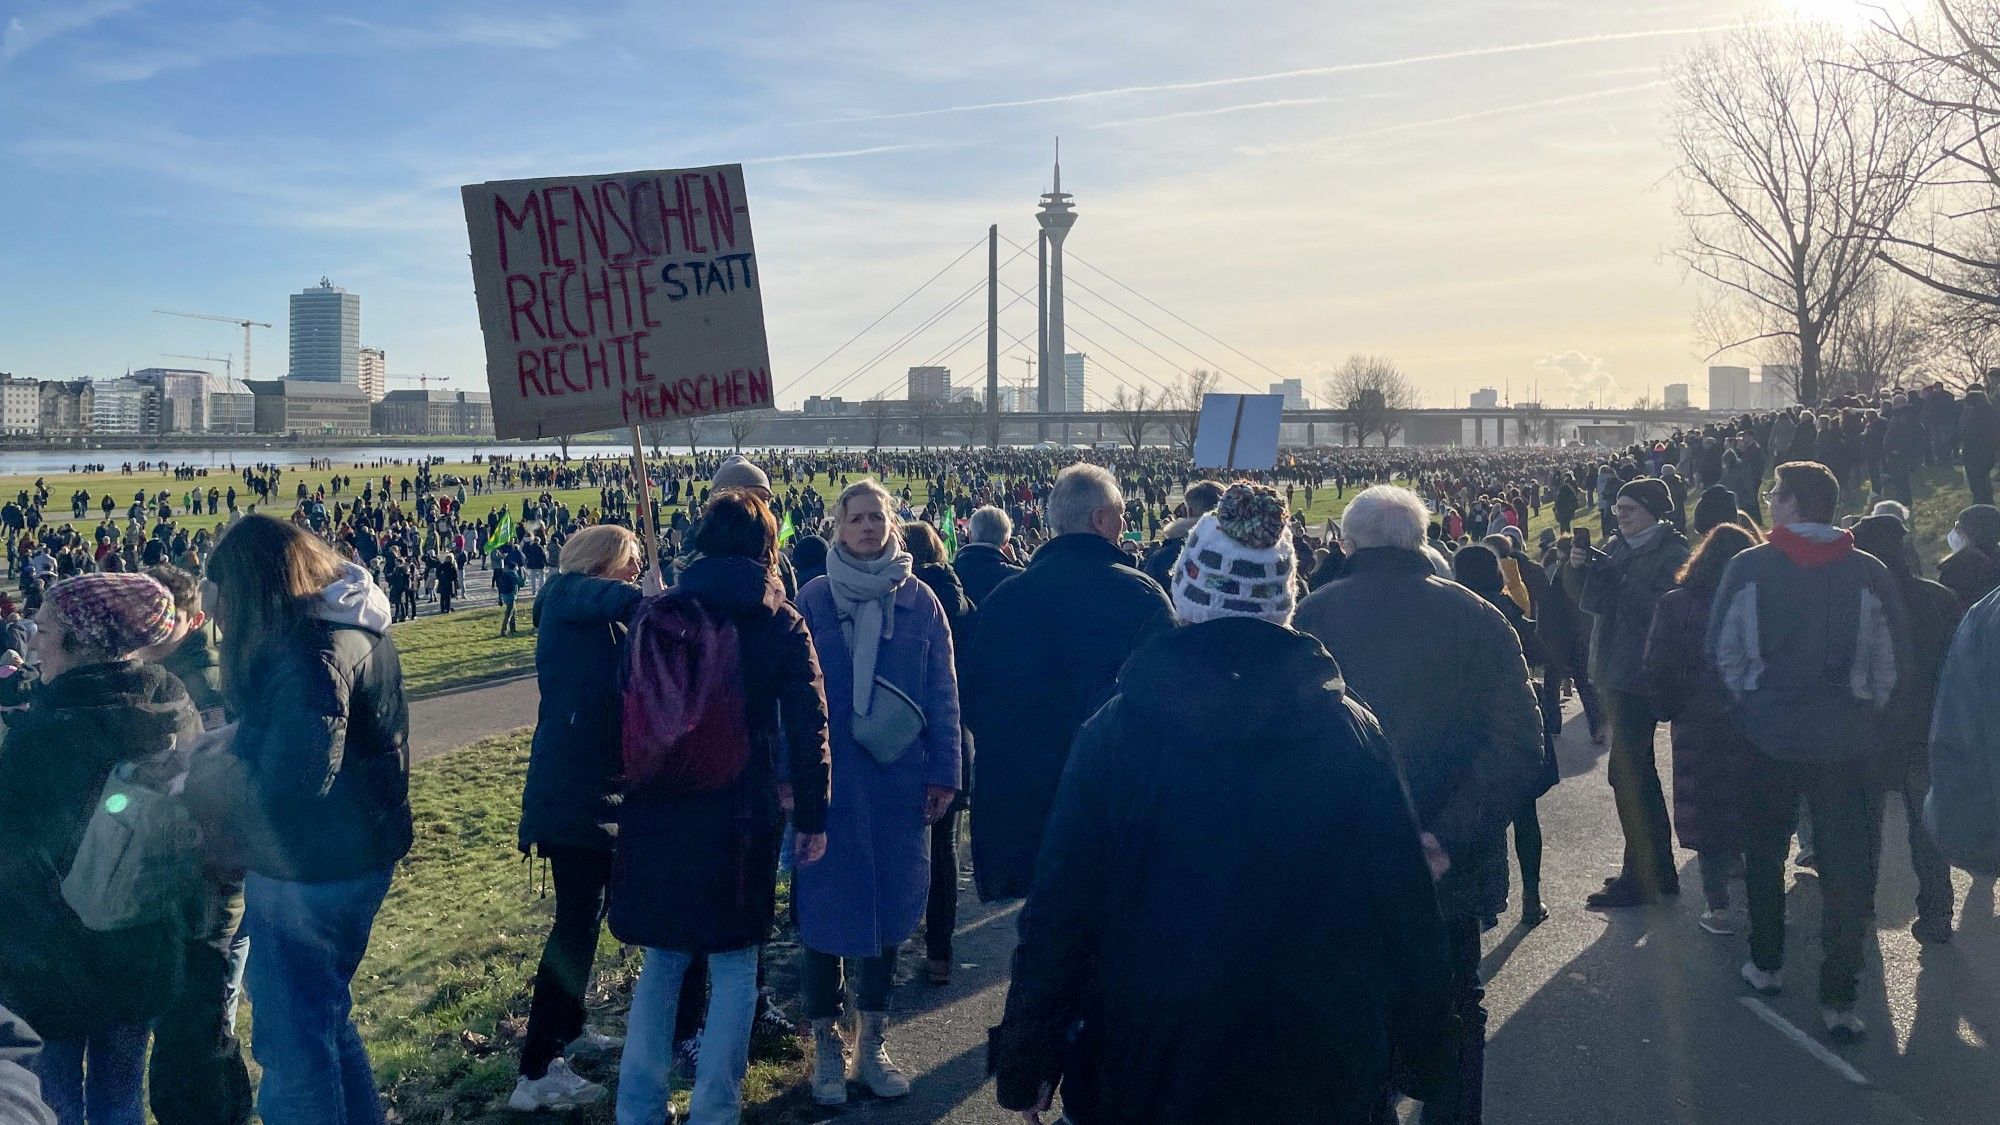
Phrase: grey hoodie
pixel 355 599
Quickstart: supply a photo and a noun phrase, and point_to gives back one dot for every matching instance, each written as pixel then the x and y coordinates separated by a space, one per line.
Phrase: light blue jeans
pixel 306 940
pixel 725 1041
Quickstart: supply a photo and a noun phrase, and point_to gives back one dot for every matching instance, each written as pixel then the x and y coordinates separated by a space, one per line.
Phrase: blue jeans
pixel 109 1094
pixel 725 1040
pixel 306 941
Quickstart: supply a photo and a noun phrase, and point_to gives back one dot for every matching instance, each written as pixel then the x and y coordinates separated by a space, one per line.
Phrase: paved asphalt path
pixel 1635 1016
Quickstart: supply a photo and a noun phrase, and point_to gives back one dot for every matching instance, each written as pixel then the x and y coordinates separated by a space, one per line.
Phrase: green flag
pixel 503 532
pixel 786 530
pixel 950 537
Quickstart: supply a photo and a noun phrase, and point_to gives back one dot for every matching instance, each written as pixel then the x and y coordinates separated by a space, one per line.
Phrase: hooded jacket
pixel 1963 809
pixel 66 980
pixel 1258 822
pixel 315 786
pixel 1810 639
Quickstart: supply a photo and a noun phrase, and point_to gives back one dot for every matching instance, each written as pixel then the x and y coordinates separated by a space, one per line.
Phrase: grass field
pixel 441 652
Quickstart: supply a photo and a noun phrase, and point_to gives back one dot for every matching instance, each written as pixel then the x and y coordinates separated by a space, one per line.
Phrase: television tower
pixel 1056 217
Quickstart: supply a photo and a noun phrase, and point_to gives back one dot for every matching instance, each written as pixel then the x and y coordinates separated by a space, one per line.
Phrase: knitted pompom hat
pixel 1238 561
pixel 113 613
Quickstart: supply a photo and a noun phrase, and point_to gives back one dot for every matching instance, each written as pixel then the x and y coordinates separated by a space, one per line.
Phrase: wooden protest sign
pixel 617 300
pixel 1238 431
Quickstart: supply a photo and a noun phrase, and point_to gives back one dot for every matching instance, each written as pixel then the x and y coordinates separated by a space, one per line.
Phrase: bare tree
pixel 656 435
pixel 1135 410
pixel 925 415
pixel 1374 393
pixel 878 421
pixel 562 443
pixel 744 424
pixel 691 431
pixel 1181 403
pixel 1793 164
pixel 1878 339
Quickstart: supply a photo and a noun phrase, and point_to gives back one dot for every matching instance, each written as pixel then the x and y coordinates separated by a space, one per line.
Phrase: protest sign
pixel 1238 431
pixel 617 300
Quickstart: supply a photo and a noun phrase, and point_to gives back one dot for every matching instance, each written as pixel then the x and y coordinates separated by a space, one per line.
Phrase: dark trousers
pixel 1979 476
pixel 582 878
pixel 1586 694
pixel 1838 798
pixel 506 616
pixel 198 1076
pixel 1462 1103
pixel 1934 893
pixel 941 913
pixel 1635 785
pixel 820 980
pixel 1899 472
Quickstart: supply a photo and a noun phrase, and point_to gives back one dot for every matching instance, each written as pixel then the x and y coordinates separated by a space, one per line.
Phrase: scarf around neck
pixel 864 590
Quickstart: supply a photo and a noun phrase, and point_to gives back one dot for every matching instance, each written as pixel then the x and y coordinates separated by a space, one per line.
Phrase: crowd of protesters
pixel 804 671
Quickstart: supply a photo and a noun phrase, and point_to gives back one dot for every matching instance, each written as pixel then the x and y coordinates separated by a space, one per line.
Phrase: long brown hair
pixel 266 573
pixel 1724 541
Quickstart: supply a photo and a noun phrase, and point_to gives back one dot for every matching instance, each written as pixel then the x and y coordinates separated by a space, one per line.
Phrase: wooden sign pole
pixel 649 540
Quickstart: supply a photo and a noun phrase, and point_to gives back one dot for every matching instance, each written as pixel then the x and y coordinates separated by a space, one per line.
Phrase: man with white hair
pixel 1051 641
pixel 1444 673
pixel 983 560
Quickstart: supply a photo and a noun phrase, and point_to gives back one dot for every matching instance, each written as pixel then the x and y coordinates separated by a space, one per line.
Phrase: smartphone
pixel 1580 537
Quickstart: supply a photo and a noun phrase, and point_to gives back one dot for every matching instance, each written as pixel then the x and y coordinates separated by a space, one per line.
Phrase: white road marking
pixel 1810 1045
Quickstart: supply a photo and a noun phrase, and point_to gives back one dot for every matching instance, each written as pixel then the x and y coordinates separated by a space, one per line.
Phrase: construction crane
pixel 246 325
pixel 421 379
pixel 221 359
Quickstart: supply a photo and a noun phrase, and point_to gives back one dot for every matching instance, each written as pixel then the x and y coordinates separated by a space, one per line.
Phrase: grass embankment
pixel 444 651
pixel 442 998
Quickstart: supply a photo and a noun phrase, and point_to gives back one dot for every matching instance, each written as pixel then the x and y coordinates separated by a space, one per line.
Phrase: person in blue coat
pixel 1963 809
pixel 883 645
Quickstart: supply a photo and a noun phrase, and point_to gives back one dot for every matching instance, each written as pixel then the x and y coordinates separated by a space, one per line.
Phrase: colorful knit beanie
pixel 113 613
pixel 1238 560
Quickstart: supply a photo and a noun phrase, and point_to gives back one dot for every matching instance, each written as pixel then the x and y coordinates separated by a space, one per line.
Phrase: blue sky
pixel 1475 188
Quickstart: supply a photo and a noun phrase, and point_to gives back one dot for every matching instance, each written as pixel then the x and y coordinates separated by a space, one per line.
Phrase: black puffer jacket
pixel 574 764
pixel 1051 641
pixel 320 786
pixel 1445 675
pixel 66 980
pixel 1620 589
pixel 699 873
pixel 1258 822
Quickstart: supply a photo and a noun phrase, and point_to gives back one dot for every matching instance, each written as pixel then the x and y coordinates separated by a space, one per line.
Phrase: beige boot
pixel 872 1065
pixel 829 1072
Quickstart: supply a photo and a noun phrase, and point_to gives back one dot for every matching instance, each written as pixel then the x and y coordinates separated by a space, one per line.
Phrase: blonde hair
pixel 868 486
pixel 596 550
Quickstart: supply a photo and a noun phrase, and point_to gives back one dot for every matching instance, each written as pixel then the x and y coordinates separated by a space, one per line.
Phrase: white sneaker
pixel 1722 923
pixel 1770 984
pixel 1843 1027
pixel 829 1069
pixel 595 1042
pixel 872 1065
pixel 560 1088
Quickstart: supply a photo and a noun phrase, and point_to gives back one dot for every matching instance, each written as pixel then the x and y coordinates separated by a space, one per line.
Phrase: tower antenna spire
pixel 1058 184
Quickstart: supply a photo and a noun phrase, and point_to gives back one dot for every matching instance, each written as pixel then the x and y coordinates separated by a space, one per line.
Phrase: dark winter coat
pixel 1971 574
pixel 1978 427
pixel 317 788
pixel 1711 758
pixel 699 873
pixel 1051 641
pixel 1933 613
pixel 1159 563
pixel 198 668
pixel 1963 809
pixel 962 617
pixel 1619 589
pixel 981 567
pixel 1445 675
pixel 574 763
pixel 1185 913
pixel 64 979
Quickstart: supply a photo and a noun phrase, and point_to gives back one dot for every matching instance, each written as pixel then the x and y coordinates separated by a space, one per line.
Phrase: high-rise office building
pixel 374 373
pixel 1676 396
pixel 326 335
pixel 1485 398
pixel 1729 388
pixel 1777 386
pixel 1076 379
pixel 929 382
pixel 127 406
pixel 1294 391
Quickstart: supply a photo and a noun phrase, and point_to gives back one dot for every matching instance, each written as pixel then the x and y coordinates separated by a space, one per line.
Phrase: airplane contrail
pixel 1303 72
pixel 1278 103
pixel 1494 111
pixel 840 153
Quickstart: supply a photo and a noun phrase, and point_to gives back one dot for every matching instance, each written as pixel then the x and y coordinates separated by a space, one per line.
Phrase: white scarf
pixel 863 592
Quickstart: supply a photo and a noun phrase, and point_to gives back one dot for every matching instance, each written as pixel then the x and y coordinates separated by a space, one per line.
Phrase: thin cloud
pixel 22 35
pixel 841 154
pixel 1303 72
pixel 1455 119
pixel 1278 103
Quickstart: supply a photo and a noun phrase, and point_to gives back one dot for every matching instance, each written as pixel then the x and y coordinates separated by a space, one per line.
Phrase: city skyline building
pixel 1294 392
pixel 1675 396
pixel 326 335
pixel 1485 398
pixel 1729 388
pixel 1056 216
pixel 373 373
pixel 1076 381
pixel 929 382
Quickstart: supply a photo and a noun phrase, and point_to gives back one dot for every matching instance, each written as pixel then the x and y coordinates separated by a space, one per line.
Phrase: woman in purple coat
pixel 1710 756
pixel 892 702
